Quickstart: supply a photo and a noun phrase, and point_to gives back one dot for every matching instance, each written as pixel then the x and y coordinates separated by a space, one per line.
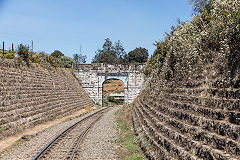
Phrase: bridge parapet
pixel 100 67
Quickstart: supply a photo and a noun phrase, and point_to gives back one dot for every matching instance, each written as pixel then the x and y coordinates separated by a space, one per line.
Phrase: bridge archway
pixel 114 91
pixel 92 77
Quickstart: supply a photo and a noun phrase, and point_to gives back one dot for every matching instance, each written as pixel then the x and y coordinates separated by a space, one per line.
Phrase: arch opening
pixel 113 92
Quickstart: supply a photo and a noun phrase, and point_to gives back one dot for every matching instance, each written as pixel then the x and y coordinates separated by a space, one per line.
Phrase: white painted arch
pixel 124 79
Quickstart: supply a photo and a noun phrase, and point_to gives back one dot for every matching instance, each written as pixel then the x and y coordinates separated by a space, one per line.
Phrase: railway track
pixel 65 145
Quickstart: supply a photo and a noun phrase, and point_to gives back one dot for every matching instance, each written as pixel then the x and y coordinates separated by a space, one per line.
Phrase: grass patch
pixel 19 142
pixel 68 119
pixel 2 130
pixel 98 104
pixel 8 150
pixel 129 149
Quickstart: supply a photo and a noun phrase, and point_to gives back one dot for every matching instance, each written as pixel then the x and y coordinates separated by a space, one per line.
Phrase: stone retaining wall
pixel 36 94
pixel 198 119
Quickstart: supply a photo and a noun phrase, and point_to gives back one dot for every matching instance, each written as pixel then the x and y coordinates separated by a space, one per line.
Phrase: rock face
pixel 94 75
pixel 36 94
pixel 192 119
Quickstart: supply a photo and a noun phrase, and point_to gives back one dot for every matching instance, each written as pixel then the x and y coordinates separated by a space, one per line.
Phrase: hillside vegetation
pixel 23 55
pixel 212 37
pixel 190 105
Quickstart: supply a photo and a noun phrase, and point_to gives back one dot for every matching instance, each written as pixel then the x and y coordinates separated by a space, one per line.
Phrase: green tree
pixel 107 46
pixel 57 54
pixel 120 52
pixel 138 55
pixel 104 56
pixel 79 58
pixel 110 54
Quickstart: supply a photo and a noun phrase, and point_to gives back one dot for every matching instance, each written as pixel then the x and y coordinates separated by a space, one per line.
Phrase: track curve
pixel 64 145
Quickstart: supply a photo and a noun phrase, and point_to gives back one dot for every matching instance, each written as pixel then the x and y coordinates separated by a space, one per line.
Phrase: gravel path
pixel 62 148
pixel 99 142
pixel 27 150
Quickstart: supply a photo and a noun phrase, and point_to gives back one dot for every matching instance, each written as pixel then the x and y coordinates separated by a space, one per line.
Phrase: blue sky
pixel 65 24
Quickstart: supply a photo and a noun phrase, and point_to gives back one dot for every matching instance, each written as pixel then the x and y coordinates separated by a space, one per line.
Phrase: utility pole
pixel 80 51
pixel 32 45
pixel 3 47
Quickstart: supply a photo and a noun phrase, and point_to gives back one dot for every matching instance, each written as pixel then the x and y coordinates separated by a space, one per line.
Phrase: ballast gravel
pixel 99 142
pixel 27 150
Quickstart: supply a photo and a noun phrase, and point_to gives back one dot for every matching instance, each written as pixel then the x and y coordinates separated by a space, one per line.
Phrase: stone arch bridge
pixel 92 77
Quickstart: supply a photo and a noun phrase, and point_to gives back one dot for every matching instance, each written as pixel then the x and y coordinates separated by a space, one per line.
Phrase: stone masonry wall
pixel 135 82
pixel 36 94
pixel 93 75
pixel 196 119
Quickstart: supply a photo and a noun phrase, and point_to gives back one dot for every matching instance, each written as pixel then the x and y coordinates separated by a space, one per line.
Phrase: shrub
pixel 57 54
pixel 53 61
pixel 8 55
pixel 66 61
pixel 34 57
pixel 23 52
pixel 105 101
pixel 115 101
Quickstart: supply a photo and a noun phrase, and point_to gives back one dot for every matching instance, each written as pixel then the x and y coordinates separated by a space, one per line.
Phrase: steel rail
pixel 62 133
pixel 82 136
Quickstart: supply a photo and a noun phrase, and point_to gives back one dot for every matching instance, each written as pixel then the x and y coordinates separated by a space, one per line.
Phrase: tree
pixel 79 58
pixel 120 52
pixel 23 52
pixel 57 54
pixel 201 5
pixel 115 54
pixel 107 46
pixel 110 54
pixel 108 57
pixel 138 55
